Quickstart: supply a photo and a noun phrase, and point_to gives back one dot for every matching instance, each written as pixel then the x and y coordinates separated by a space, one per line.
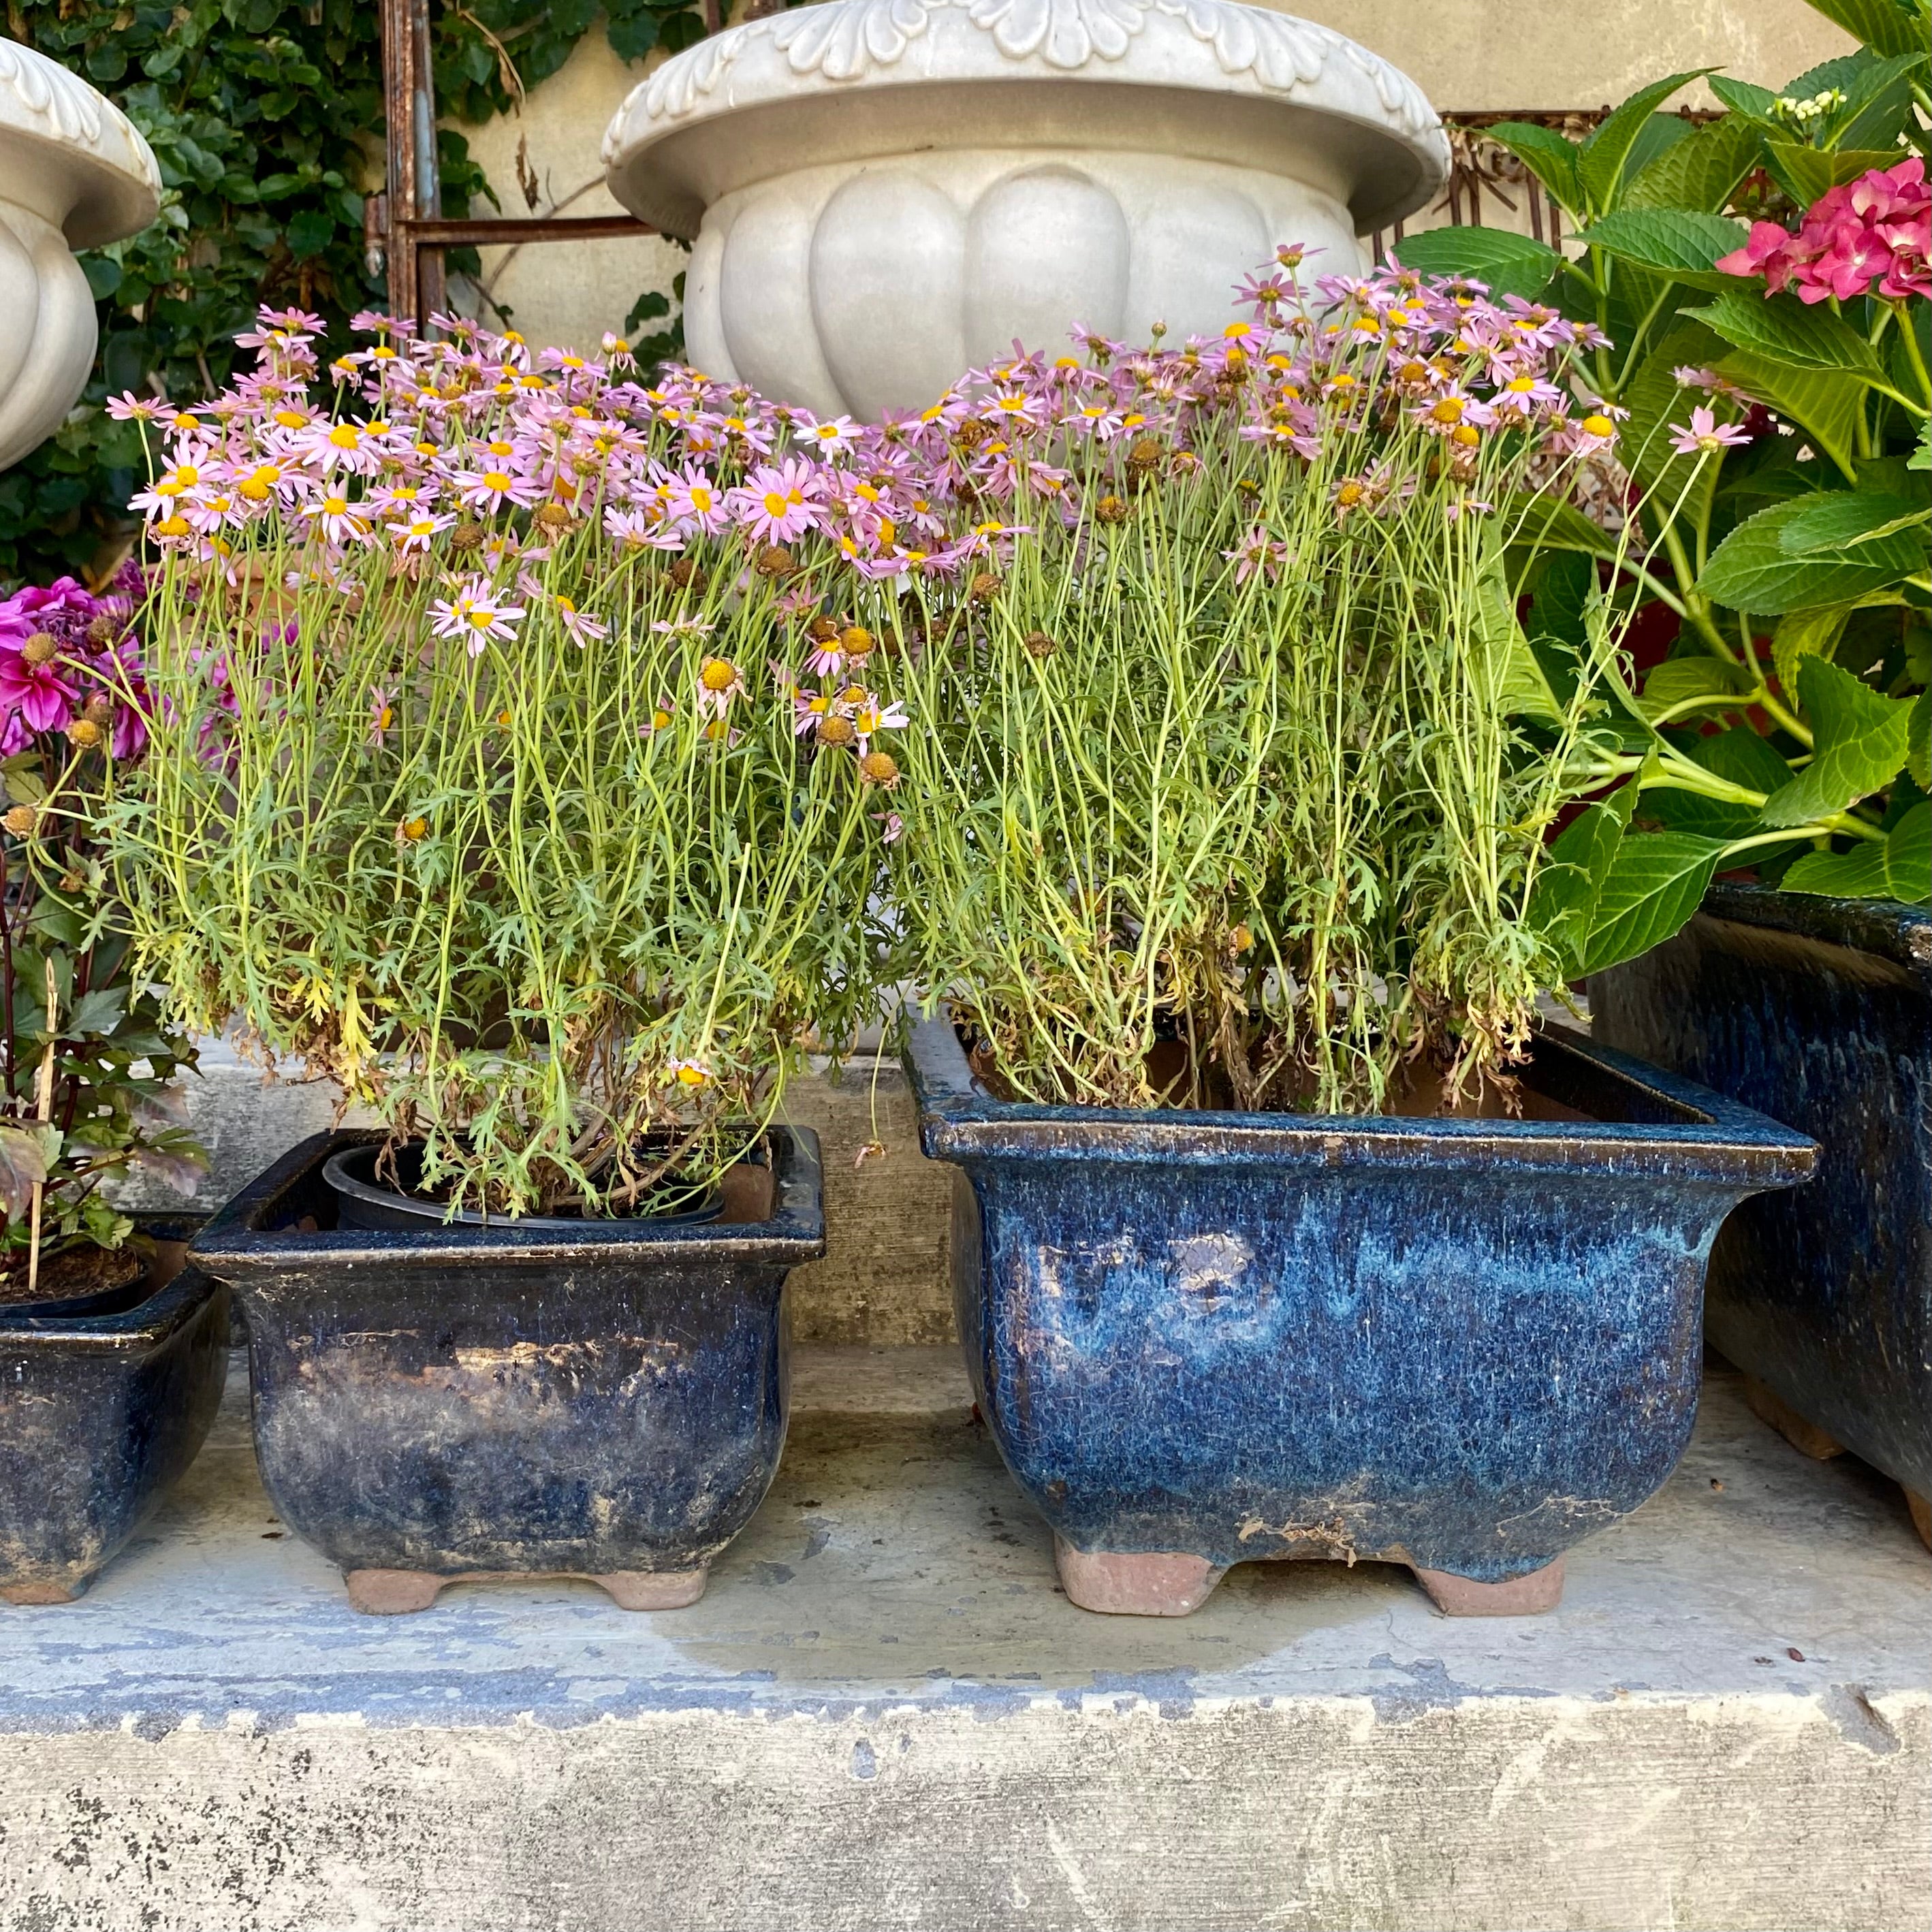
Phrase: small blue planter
pixel 606 1401
pixel 1461 1345
pixel 1818 1011
pixel 104 1403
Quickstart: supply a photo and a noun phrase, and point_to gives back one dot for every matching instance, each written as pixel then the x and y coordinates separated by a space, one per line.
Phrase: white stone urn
pixel 73 174
pixel 883 193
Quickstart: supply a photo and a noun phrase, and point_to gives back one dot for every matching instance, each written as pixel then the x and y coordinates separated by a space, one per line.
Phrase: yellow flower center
pixel 346 436
pixel 1600 425
pixel 718 674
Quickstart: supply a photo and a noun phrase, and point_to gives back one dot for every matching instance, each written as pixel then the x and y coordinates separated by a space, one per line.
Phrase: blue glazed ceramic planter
pixel 103 1406
pixel 1459 1344
pixel 1820 1012
pixel 607 1401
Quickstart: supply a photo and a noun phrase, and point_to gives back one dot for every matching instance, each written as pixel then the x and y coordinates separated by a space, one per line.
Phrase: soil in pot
pixel 79 1273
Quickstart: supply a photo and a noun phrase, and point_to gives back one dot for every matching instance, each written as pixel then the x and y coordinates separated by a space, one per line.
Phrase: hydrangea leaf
pixel 1601 160
pixel 1898 868
pixel 1681 243
pixel 1752 570
pixel 1511 264
pixel 1652 886
pixel 1860 741
pixel 1578 860
pixel 1828 405
pixel 1700 172
pixel 1550 156
pixel 1802 634
pixel 1785 331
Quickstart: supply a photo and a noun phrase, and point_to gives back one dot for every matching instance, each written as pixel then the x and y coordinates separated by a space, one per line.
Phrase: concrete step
pixel 884 1715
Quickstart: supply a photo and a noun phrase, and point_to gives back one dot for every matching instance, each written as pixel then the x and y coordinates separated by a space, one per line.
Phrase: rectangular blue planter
pixel 507 1400
pixel 1459 1344
pixel 1819 1011
pixel 101 1410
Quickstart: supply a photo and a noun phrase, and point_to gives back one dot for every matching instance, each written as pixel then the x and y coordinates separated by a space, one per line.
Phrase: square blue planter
pixel 103 1403
pixel 607 1401
pixel 1461 1345
pixel 1820 1012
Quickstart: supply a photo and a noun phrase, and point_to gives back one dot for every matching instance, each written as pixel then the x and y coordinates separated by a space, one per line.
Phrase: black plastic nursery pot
pixel 104 1401
pixel 602 1399
pixel 1459 1344
pixel 1819 1011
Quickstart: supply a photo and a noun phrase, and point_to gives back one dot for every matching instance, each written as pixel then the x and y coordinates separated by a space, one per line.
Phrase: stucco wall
pixel 1467 54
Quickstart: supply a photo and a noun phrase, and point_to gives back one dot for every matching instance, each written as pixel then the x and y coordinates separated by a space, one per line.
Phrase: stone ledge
pixel 883 1715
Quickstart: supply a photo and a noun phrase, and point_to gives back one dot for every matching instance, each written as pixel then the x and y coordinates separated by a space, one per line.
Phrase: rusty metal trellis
pixel 405 228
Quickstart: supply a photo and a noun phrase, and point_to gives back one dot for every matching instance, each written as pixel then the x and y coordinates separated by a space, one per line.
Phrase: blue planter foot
pixel 391 1593
pixel 1807 1438
pixel 1516 1596
pixel 1135 1584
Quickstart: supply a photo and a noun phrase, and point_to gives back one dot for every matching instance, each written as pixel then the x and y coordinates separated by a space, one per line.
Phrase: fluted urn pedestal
pixel 881 193
pixel 73 174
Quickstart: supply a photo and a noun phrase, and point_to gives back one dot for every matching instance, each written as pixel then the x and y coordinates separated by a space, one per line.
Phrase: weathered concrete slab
pixel 882 1715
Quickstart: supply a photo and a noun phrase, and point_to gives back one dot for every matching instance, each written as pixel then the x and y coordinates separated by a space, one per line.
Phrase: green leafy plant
pixel 87 1064
pixel 1786 523
pixel 470 783
pixel 1236 773
pixel 266 118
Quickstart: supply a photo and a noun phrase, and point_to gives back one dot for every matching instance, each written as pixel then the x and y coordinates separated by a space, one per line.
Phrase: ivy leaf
pixel 1599 162
pixel 96 1014
pixel 310 231
pixel 1679 242
pixel 1783 330
pixel 1860 741
pixel 1654 884
pixel 1512 265
pixel 1752 570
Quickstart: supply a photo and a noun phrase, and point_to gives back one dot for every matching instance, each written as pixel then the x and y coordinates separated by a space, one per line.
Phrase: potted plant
pixel 112 1359
pixel 1780 747
pixel 1283 1230
pixel 471 787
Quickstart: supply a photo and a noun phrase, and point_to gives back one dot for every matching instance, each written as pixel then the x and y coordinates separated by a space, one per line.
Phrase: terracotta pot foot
pixel 1921 1508
pixel 1117 1583
pixel 42 1593
pixel 390 1593
pixel 655 1589
pixel 1518 1596
pixel 1807 1438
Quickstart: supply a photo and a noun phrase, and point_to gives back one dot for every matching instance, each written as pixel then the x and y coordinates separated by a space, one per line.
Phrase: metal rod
pixel 449 232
